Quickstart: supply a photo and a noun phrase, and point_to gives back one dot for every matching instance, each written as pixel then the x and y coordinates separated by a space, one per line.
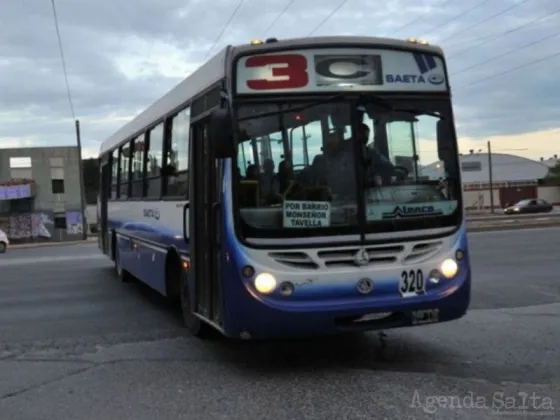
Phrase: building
pixel 514 178
pixel 551 161
pixel 40 195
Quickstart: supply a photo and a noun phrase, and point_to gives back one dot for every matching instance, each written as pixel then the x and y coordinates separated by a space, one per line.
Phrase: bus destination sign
pixel 328 70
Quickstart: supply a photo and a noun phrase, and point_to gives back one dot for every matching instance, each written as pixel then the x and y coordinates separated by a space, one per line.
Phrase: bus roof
pixel 209 73
pixel 215 69
pixel 340 40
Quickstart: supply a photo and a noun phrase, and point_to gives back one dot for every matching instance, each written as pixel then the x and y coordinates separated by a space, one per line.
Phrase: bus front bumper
pixel 251 318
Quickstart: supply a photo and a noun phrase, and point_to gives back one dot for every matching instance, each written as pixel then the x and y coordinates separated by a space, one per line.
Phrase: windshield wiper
pixel 297 109
pixel 377 100
pixel 417 112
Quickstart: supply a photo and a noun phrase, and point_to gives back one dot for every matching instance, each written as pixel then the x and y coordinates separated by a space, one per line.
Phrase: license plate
pixel 412 283
pixel 425 316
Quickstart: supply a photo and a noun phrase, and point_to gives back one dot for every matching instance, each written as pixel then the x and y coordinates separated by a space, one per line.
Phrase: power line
pixel 489 38
pixel 330 15
pixel 63 61
pixel 483 21
pixel 224 28
pixel 511 70
pixel 279 16
pixel 507 53
pixel 406 25
pixel 458 16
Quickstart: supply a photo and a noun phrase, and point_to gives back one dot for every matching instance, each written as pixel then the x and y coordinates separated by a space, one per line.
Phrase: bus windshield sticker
pixel 306 214
pixel 398 210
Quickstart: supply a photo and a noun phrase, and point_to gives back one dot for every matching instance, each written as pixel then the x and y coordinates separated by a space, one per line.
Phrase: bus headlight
pixel 449 268
pixel 265 283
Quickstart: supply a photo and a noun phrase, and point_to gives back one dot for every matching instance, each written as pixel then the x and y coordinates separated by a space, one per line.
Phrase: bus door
pixel 205 225
pixel 104 193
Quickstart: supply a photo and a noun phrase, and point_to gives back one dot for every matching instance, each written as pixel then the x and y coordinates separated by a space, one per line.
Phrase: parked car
pixel 529 206
pixel 4 242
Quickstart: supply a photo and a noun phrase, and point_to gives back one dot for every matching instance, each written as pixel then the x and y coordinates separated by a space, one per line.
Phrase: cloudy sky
pixel 123 55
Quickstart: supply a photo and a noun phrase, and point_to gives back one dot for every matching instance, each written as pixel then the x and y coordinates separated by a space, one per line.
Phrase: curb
pixel 500 217
pixel 483 227
pixel 52 244
pixel 479 226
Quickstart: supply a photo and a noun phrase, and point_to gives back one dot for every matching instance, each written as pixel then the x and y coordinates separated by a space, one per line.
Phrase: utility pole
pixel 490 177
pixel 82 187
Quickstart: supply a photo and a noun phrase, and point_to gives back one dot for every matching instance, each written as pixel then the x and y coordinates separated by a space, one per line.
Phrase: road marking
pixel 48 259
pixel 525 231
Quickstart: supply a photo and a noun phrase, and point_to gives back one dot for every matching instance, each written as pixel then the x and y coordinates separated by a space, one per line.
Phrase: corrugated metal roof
pixel 505 168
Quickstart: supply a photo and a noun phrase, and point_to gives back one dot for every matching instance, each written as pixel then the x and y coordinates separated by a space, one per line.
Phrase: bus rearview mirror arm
pixel 186 208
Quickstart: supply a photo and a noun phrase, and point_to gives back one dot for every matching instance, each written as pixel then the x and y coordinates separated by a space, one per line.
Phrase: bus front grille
pixel 348 257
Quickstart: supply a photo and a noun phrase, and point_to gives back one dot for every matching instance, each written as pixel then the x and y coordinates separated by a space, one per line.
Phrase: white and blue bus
pixel 281 190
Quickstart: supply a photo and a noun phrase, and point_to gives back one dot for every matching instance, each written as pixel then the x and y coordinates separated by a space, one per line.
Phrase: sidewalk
pixel 89 240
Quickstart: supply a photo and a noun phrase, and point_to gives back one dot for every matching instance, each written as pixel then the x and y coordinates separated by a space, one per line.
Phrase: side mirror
pixel 221 133
pixel 446 151
pixel 444 136
pixel 443 129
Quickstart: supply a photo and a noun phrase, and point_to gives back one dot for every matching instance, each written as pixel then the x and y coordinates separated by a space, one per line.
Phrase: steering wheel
pixel 401 172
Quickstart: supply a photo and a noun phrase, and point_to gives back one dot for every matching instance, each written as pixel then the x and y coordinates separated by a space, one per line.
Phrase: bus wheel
pixel 122 273
pixel 193 324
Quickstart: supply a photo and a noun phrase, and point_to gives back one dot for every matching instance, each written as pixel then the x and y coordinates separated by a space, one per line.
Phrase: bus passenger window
pixel 153 169
pixel 124 170
pixel 178 156
pixel 115 174
pixel 137 170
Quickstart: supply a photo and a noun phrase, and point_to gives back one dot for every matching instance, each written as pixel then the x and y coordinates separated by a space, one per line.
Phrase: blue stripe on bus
pixel 157 235
pixel 419 58
pixel 430 61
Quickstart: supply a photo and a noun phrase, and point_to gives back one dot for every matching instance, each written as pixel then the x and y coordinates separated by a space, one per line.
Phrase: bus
pixel 282 190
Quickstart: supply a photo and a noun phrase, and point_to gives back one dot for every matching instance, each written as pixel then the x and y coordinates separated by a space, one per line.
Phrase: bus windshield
pixel 299 165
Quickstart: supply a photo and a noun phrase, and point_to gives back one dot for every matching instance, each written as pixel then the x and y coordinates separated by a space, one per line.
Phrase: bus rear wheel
pixel 121 273
pixel 192 323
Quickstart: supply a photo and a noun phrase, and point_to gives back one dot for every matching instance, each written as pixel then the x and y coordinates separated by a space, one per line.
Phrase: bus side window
pixel 154 162
pixel 137 169
pixel 177 159
pixel 305 143
pixel 115 174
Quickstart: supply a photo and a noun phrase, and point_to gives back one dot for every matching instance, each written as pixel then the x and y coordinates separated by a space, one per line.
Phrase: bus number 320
pixel 412 282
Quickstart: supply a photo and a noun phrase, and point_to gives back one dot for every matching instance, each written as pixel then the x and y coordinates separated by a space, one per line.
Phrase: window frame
pixel 128 144
pixel 142 180
pixel 200 98
pixel 168 148
pixel 56 182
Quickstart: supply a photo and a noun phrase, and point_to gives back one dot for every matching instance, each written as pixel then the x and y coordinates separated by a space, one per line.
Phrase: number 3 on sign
pixel 412 283
pixel 289 71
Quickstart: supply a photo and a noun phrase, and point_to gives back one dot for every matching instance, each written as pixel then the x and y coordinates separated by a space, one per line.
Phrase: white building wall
pixel 550 194
pixel 480 199
pixel 505 168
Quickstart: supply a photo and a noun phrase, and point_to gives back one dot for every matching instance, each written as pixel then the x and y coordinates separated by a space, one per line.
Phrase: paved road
pixel 77 344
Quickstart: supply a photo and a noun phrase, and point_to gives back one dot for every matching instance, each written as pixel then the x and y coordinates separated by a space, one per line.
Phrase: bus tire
pixel 113 249
pixel 121 273
pixel 192 323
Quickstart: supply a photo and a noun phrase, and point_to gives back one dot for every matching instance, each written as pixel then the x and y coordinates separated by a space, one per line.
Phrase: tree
pixel 554 172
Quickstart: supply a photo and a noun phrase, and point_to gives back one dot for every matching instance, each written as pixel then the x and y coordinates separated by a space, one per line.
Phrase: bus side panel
pixel 147 232
pixel 145 262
